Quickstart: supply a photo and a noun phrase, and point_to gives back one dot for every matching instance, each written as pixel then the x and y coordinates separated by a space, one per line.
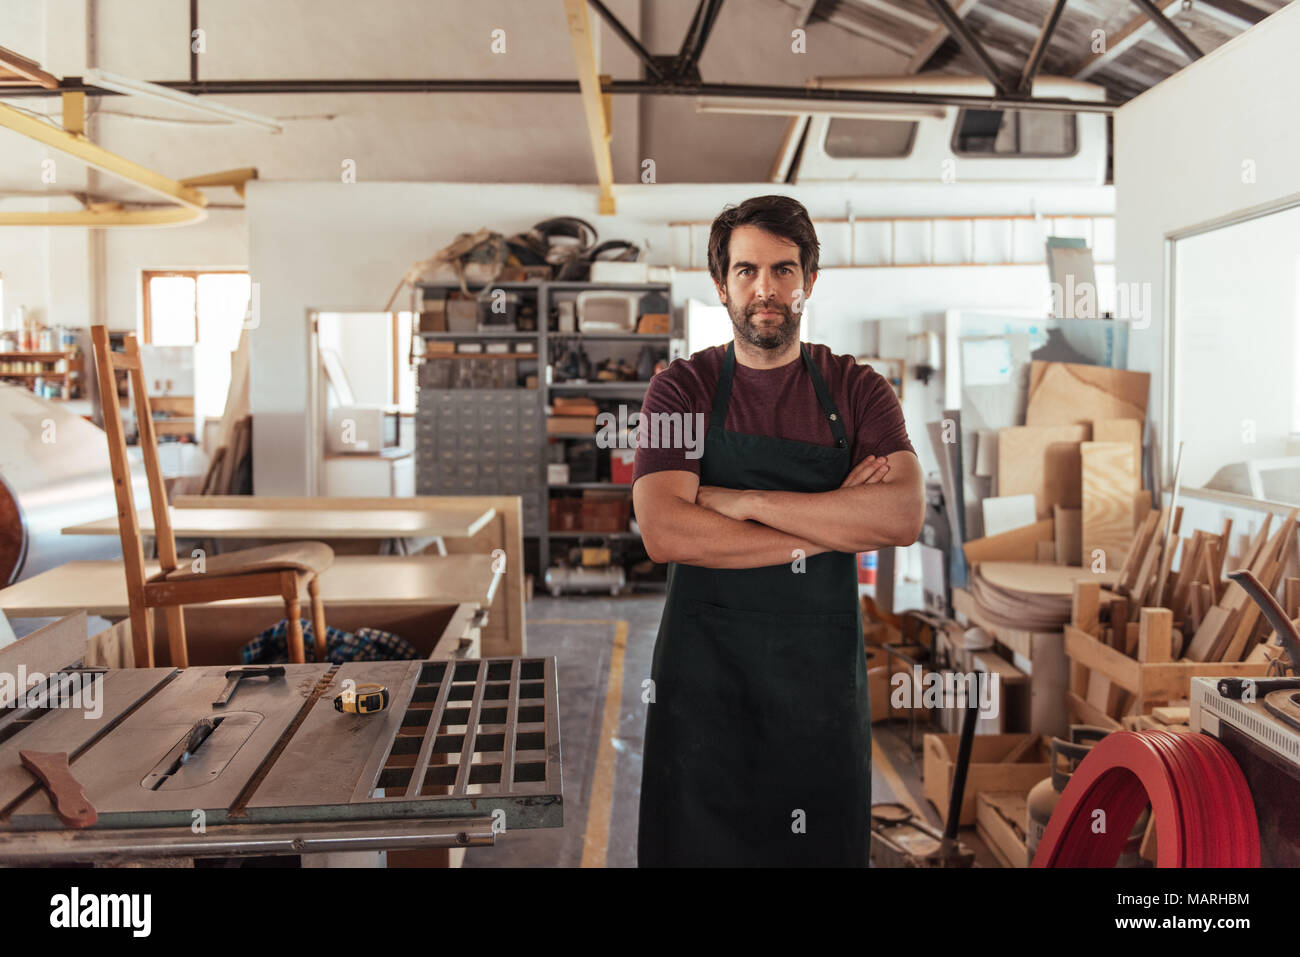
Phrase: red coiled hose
pixel 1202 808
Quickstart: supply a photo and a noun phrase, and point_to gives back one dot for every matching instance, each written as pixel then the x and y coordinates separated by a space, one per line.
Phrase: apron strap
pixel 722 395
pixel 833 417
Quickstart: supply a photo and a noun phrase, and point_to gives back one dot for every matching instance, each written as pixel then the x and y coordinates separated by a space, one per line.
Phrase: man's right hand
pixel 869 471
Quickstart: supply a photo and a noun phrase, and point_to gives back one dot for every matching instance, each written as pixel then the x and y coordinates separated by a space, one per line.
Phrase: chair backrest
pixel 106 362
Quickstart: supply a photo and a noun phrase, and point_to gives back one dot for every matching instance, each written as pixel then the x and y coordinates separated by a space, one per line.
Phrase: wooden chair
pixel 270 570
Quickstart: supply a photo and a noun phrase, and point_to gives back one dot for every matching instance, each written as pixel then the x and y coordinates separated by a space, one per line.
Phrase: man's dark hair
pixel 779 215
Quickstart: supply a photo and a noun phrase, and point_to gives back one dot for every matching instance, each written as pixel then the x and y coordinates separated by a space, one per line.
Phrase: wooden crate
pixel 1100 673
pixel 1000 820
pixel 998 762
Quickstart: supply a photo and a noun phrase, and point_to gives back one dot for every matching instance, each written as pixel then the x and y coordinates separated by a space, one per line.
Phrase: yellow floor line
pixel 880 764
pixel 595 843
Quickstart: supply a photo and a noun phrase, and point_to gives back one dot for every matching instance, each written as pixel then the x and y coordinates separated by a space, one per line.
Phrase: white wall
pixel 1179 154
pixel 345 246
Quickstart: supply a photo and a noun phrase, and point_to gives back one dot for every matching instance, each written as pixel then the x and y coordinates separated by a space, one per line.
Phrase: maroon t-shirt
pixel 779 403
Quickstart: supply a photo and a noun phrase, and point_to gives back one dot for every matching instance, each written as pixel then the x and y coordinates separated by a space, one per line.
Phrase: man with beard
pixel 758 736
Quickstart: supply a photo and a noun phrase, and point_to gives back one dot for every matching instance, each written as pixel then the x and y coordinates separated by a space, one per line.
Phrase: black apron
pixel 758 740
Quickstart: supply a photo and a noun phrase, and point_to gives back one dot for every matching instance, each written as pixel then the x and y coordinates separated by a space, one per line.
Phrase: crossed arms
pixel 882 502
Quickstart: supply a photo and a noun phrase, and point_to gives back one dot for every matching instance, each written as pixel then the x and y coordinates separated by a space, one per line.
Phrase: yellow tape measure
pixel 363 699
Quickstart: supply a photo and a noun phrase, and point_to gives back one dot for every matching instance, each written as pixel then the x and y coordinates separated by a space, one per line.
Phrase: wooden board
pixel 505 633
pixel 1121 430
pixel 99 588
pixel 1037 578
pixel 1214 623
pixel 1069 535
pixel 1064 393
pixel 1042 461
pixel 320 523
pixel 1017 545
pixel 1109 481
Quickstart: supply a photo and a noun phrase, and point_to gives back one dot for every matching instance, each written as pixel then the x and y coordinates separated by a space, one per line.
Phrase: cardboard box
pixel 989 771
pixel 654 324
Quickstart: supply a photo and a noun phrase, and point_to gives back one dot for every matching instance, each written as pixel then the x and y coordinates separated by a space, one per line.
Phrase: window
pixel 1014 133
pixel 853 138
pixel 203 309
pixel 1234 357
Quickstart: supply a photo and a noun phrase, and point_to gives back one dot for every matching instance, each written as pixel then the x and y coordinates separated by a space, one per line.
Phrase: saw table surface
pixel 464 748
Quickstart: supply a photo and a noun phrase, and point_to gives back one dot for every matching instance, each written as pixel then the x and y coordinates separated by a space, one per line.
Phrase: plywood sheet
pixel 1042 461
pixel 1019 544
pixel 1037 578
pixel 1062 393
pixel 1121 430
pixel 1109 481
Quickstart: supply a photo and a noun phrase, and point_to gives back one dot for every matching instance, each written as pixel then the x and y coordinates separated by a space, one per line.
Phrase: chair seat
pixel 289 556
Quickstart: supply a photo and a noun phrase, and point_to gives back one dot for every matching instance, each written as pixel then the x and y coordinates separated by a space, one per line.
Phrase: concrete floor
pixel 601 788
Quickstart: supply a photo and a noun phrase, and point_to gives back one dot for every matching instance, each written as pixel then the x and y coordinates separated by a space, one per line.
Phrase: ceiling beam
pixel 571 87
pixel 1040 48
pixel 1230 13
pixel 594 102
pixel 190 202
pixel 24 70
pixel 969 43
pixel 625 35
pixel 901 13
pixel 846 21
pixel 1166 26
pixel 921 55
pixel 230 177
pixel 1126 38
pixel 690 65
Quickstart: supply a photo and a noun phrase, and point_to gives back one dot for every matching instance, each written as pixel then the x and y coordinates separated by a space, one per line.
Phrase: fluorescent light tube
pixel 134 87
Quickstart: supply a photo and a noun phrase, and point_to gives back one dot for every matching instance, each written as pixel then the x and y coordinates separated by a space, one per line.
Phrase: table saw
pixel 466 750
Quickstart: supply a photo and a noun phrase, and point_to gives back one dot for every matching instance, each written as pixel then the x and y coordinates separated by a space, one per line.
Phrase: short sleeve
pixel 669 434
pixel 881 429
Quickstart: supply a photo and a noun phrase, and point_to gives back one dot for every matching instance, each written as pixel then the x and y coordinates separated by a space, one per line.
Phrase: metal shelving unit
pixel 545 292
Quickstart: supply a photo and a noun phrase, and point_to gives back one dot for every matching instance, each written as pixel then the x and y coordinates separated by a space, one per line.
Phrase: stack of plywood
pixel 1029 596
pixel 1068 481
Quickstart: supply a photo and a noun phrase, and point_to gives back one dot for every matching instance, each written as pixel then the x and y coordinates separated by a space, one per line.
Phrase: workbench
pixel 465 751
pixel 321 523
pixel 401 594
pixel 465 525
